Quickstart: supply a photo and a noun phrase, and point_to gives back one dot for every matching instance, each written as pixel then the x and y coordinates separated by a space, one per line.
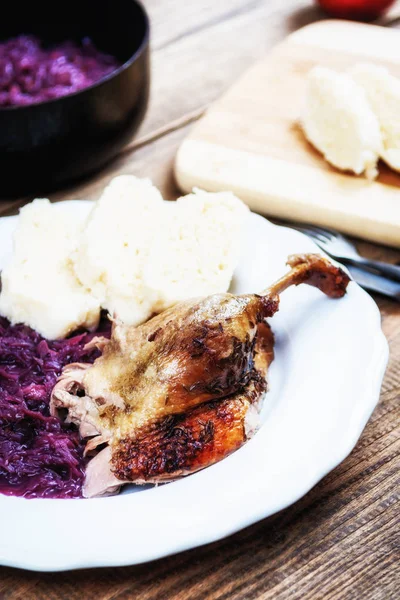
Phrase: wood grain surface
pixel 342 540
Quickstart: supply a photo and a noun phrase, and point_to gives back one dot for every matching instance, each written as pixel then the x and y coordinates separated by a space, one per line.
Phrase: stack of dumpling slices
pixel 353 118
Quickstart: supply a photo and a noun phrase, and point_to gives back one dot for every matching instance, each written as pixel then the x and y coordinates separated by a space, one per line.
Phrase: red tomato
pixel 365 10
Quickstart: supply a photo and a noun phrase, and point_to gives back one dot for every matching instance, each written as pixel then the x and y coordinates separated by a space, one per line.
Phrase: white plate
pixel 324 384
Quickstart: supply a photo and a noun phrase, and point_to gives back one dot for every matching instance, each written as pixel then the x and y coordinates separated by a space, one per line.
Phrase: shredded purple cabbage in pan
pixel 31 73
pixel 40 457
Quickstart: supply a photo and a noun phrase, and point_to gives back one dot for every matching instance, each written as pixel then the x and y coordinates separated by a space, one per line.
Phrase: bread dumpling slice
pixel 340 123
pixel 383 93
pixel 198 249
pixel 114 246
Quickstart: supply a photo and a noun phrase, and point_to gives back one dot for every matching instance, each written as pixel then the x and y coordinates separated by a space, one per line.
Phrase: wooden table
pixel 340 541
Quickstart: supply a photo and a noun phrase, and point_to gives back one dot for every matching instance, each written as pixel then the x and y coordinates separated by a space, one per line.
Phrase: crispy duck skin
pixel 177 393
pixel 186 442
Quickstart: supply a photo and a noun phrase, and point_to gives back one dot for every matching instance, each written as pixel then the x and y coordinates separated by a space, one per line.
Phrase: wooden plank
pixel 227 36
pixel 166 29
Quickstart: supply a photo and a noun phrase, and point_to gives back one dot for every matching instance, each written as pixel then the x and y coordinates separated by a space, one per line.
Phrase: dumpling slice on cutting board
pixel 340 123
pixel 383 93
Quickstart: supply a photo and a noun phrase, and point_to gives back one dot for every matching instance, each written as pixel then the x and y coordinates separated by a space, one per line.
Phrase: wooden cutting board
pixel 250 141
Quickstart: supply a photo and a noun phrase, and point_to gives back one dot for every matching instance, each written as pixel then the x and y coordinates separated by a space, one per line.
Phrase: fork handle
pixel 375 283
pixel 382 268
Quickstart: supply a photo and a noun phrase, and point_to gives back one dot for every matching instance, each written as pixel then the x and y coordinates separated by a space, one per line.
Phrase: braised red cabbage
pixel 40 457
pixel 31 73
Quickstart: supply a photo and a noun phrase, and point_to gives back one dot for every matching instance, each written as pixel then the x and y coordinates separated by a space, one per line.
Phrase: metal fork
pixel 337 246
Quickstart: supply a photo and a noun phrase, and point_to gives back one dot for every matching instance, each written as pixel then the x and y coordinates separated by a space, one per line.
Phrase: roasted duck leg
pixel 181 391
